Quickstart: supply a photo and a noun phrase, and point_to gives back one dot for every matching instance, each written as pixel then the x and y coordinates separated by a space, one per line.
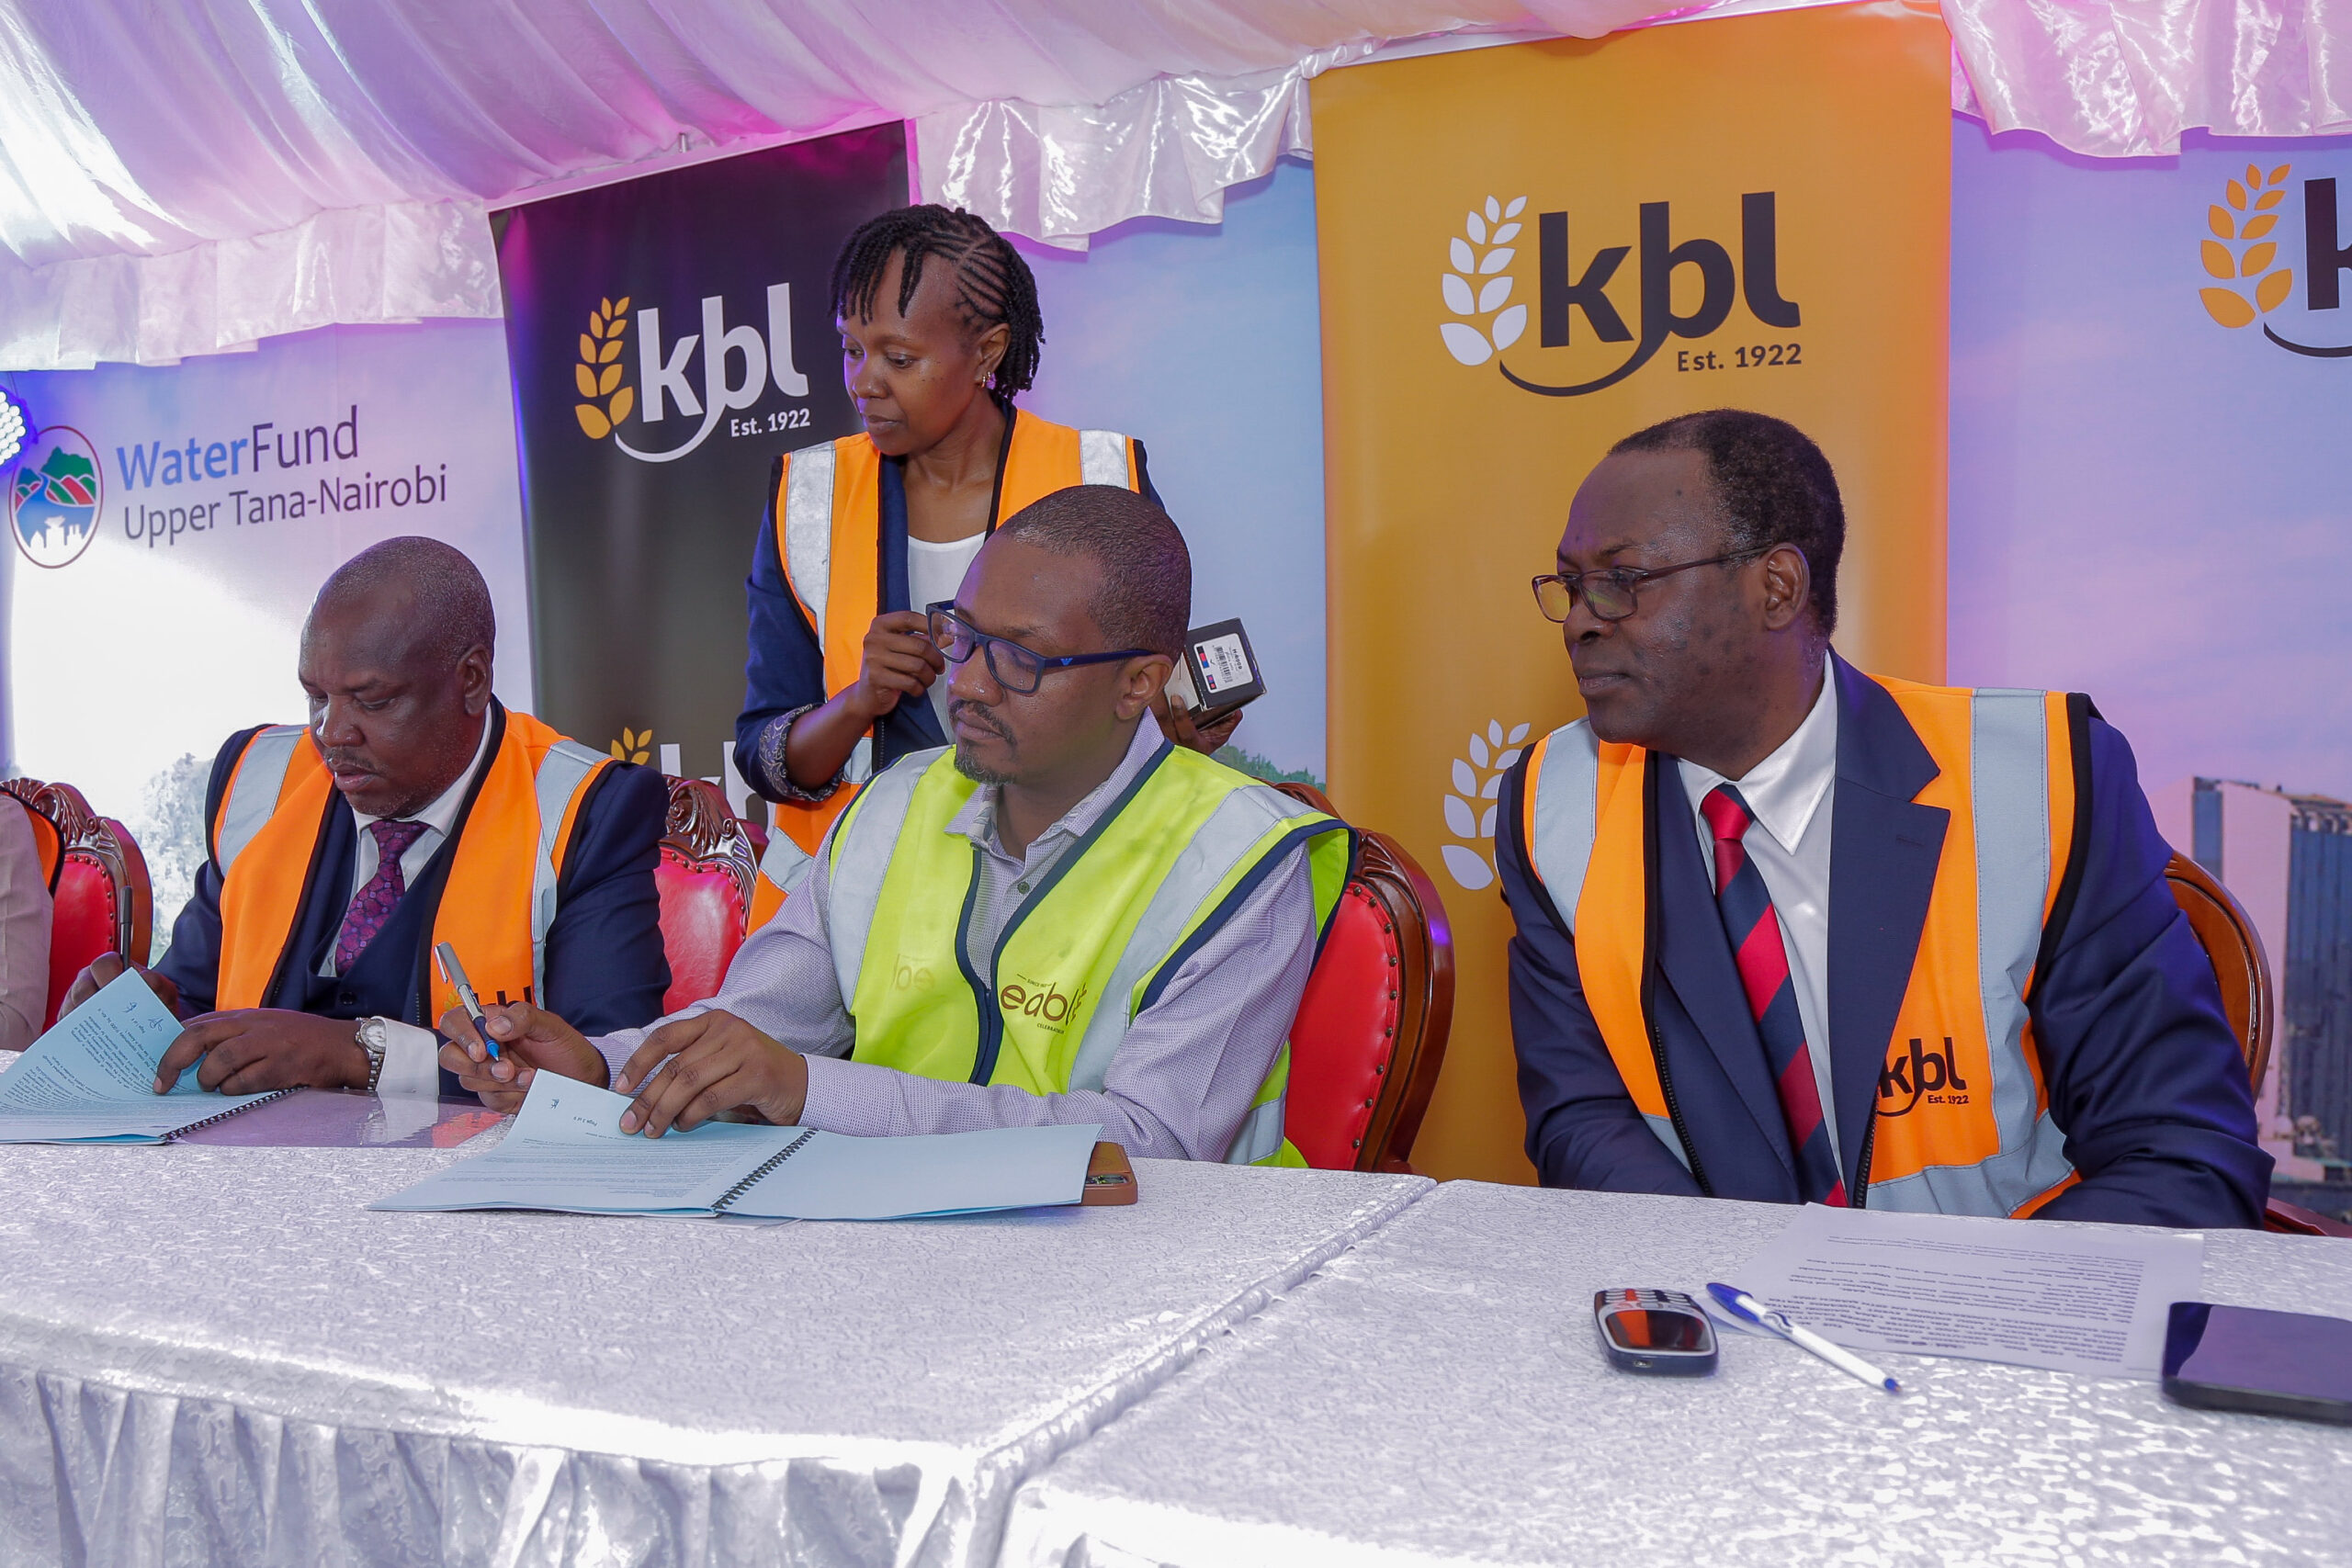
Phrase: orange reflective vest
pixel 828 513
pixel 1982 1142
pixel 500 897
pixel 47 844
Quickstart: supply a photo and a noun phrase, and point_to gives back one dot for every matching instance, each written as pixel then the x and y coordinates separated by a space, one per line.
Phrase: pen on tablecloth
pixel 1748 1309
pixel 455 972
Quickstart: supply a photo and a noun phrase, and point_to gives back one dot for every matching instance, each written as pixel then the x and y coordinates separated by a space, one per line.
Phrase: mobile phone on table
pixel 1662 1333
pixel 2273 1364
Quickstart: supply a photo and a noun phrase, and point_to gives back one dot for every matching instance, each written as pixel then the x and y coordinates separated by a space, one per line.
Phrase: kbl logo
pixel 738 365
pixel 2246 260
pixel 1569 283
pixel 1934 1074
pixel 1026 997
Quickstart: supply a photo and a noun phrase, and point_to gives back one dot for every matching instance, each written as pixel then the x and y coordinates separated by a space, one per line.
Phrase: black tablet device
pixel 2275 1363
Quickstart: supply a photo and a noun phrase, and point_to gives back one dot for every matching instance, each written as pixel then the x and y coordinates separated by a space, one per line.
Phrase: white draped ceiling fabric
pixel 190 176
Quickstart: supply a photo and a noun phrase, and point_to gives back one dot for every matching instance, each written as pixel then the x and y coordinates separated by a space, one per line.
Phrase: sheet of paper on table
pixel 566 1152
pixel 91 1079
pixel 2078 1300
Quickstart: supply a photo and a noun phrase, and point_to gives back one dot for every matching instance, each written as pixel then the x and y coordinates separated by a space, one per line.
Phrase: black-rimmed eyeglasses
pixel 1012 666
pixel 1614 594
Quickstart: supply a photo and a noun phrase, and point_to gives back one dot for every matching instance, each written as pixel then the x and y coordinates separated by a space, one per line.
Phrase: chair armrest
pixel 2293 1219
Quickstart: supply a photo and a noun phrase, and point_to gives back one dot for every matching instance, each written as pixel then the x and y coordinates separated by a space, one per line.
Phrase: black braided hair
pixel 993 284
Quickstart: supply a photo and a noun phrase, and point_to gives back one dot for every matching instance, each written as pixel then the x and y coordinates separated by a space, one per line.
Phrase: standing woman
pixel 939 324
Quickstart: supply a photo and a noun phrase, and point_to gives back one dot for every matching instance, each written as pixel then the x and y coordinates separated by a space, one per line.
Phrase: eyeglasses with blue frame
pixel 1018 669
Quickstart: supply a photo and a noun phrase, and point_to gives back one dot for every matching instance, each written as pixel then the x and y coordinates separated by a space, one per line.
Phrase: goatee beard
pixel 978 773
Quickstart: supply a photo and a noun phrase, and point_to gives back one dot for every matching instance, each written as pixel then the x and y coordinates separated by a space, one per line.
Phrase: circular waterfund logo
pixel 54 492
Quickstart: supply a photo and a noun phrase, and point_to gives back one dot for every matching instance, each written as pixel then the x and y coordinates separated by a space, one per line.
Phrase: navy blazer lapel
pixel 1694 957
pixel 1884 850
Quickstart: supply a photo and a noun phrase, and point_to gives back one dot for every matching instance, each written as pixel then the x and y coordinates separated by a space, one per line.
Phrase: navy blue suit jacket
pixel 2143 1075
pixel 784 668
pixel 606 966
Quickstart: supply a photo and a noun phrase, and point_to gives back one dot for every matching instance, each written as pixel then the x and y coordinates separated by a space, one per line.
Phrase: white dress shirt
pixel 437 818
pixel 934 572
pixel 1793 794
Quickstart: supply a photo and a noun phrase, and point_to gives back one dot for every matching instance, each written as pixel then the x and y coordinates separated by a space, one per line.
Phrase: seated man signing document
pixel 1791 932
pixel 1063 918
pixel 414 809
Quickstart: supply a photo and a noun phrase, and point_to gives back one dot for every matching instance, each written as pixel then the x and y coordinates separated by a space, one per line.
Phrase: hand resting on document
pixel 247 1051
pixel 722 1064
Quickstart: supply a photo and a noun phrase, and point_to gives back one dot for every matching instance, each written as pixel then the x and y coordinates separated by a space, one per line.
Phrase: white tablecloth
pixel 1437 1396
pixel 212 1355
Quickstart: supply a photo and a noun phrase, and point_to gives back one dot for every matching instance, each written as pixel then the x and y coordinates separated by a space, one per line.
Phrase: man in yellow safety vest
pixel 1062 917
pixel 1791 932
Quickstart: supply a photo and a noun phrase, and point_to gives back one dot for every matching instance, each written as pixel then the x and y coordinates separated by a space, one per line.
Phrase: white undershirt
pixel 437 818
pixel 934 572
pixel 1792 795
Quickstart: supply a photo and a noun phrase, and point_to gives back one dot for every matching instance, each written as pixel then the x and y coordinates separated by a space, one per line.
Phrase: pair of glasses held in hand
pixel 1017 669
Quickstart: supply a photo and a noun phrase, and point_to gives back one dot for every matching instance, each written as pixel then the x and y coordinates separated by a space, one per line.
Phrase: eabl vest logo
pixel 600 375
pixel 53 496
pixel 1477 291
pixel 2245 258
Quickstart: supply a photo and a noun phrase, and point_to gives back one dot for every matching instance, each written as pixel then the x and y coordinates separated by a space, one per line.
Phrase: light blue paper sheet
pixel 566 1152
pixel 92 1078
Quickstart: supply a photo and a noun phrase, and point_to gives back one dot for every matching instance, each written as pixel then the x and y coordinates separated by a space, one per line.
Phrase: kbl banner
pixel 1530 252
pixel 671 336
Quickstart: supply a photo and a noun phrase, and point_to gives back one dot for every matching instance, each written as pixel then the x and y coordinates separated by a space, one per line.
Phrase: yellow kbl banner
pixel 1528 251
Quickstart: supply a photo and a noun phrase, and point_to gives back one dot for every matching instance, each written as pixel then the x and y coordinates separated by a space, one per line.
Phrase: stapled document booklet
pixel 566 1152
pixel 91 1079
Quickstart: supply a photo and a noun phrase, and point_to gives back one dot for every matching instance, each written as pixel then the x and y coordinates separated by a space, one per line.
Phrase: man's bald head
pixel 396 661
pixel 422 588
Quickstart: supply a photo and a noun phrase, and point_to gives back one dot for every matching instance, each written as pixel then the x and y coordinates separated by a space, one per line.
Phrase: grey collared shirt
pixel 1183 1078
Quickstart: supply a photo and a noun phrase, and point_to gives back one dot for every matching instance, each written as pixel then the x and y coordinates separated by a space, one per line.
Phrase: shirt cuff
pixel 840 1098
pixel 412 1062
pixel 772 762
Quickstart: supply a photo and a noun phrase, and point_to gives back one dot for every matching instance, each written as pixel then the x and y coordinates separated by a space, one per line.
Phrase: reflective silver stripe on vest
pixel 1261 1133
pixel 253 799
pixel 1567 819
pixel 1240 819
pixel 2009 796
pixel 785 862
pixel 1102 459
pixel 808 529
pixel 566 765
pixel 868 833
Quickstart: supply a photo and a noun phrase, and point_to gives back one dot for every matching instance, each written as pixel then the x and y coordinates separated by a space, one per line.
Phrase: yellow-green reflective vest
pixel 1116 917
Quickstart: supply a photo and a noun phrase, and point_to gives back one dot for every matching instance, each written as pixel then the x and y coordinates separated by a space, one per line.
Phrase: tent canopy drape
pixel 190 176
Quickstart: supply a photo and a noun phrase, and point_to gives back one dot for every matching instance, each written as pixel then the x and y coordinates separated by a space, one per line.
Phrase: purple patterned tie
pixel 373 905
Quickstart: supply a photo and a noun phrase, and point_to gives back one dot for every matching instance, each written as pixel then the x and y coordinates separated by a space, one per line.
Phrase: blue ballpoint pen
pixel 455 972
pixel 1748 1309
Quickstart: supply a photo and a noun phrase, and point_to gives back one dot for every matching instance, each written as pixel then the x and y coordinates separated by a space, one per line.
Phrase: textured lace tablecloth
pixel 1437 1396
pixel 216 1356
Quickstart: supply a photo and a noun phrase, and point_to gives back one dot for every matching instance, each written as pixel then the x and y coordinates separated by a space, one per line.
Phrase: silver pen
pixel 455 972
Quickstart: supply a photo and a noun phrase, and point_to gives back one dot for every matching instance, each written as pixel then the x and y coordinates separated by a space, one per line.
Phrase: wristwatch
pixel 373 1034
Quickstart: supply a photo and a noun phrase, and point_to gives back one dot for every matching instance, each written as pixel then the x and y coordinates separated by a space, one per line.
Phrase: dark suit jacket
pixel 2145 1077
pixel 605 966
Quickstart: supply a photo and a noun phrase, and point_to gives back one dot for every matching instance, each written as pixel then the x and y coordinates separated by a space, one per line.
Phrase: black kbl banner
pixel 670 336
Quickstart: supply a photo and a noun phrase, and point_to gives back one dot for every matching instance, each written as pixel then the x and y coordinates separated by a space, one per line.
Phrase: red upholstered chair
pixel 1371 1027
pixel 704 879
pixel 104 902
pixel 2244 969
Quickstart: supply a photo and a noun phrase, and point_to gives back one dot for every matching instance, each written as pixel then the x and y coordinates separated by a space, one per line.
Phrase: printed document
pixel 92 1078
pixel 566 1152
pixel 2078 1300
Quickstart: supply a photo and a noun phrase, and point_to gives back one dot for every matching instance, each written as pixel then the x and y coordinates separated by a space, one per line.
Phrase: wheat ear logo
pixel 1471 805
pixel 599 372
pixel 634 745
pixel 2246 221
pixel 1478 287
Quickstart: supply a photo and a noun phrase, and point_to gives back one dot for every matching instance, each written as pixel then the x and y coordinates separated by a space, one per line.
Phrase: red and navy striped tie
pixel 1755 931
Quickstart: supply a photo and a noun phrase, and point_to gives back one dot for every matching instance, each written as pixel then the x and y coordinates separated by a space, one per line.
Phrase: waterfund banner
pixel 172 523
pixel 671 336
pixel 1530 252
